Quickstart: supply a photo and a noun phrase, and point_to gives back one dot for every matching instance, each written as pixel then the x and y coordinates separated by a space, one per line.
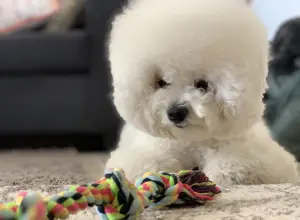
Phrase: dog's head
pixel 189 69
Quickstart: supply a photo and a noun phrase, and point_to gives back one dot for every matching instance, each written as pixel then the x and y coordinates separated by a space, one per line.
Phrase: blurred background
pixel 54 76
pixel 55 81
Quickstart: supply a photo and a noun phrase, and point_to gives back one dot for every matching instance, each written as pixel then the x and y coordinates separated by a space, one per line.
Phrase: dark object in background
pixel 282 99
pixel 55 84
pixel 285 47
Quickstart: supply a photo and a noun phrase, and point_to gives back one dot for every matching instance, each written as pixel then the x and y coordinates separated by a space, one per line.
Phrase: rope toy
pixel 114 197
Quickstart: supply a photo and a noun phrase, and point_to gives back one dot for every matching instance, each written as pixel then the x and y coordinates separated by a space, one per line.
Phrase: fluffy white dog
pixel 188 78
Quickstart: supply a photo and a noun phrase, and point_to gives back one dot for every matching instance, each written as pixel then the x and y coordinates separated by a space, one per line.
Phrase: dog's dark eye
pixel 201 84
pixel 162 83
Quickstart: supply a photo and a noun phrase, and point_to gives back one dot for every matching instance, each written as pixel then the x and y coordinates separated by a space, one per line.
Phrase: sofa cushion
pixel 43 52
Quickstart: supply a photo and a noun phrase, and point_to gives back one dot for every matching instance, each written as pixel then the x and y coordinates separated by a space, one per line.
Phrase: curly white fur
pixel 181 42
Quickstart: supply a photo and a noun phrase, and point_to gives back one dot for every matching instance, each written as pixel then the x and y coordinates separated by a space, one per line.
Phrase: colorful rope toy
pixel 114 197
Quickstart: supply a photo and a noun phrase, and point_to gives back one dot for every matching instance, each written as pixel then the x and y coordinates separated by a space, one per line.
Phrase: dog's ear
pixel 239 96
pixel 228 94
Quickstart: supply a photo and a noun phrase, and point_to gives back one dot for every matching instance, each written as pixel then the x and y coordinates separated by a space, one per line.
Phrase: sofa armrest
pixel 99 15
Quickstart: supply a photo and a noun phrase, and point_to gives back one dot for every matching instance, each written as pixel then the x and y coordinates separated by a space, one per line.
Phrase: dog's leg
pixel 227 169
pixel 257 165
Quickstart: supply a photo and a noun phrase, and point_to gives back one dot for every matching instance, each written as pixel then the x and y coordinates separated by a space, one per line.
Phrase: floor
pixel 51 171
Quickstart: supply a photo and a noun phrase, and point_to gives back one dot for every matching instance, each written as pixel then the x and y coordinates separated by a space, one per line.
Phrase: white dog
pixel 188 78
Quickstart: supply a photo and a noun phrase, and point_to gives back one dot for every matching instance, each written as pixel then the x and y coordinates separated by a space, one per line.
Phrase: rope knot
pixel 160 189
pixel 126 200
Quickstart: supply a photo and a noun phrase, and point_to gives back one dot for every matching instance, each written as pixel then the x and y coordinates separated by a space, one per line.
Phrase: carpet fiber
pixel 51 171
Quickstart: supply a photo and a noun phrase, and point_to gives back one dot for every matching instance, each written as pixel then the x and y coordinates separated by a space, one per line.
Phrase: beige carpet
pixel 51 171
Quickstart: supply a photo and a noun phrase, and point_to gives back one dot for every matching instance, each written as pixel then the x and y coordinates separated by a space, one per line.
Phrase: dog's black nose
pixel 177 114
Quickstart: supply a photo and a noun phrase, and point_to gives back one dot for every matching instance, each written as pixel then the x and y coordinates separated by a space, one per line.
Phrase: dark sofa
pixel 55 84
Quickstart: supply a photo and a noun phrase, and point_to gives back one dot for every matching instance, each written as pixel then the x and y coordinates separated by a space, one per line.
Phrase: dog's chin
pixel 181 125
pixel 189 131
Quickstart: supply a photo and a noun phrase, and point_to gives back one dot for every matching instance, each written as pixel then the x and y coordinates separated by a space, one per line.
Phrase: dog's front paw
pixel 220 178
pixel 233 177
